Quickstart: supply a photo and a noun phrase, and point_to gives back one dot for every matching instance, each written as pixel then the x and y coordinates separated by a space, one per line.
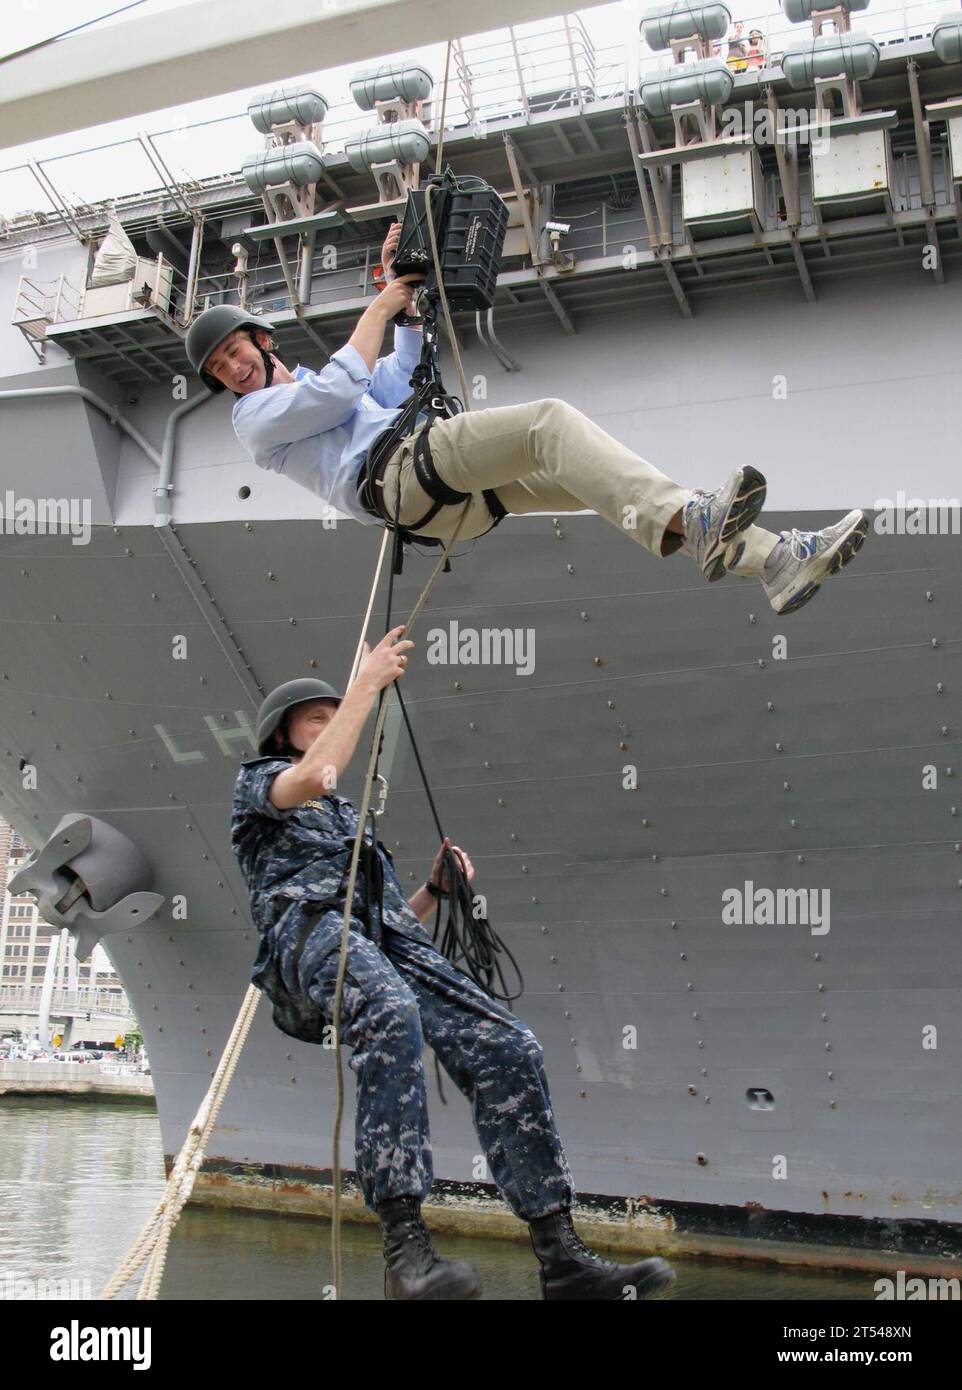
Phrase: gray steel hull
pixel 797 773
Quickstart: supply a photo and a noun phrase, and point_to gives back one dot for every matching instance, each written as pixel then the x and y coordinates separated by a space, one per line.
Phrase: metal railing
pixel 42 302
pixel 544 69
pixel 14 998
pixel 891 24
pixel 519 72
pixel 39 304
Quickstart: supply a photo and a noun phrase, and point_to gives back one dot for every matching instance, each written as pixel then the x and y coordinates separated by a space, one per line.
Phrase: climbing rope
pixel 346 923
pixel 375 741
pixel 153 1241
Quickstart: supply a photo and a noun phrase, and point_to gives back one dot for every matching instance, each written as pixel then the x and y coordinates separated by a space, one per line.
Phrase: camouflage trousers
pixel 406 994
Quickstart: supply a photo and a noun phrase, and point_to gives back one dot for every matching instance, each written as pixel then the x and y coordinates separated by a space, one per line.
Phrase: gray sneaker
pixel 712 519
pixel 803 559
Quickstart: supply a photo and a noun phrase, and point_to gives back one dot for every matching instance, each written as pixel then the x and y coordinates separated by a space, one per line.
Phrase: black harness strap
pixel 435 486
pixel 430 398
pixel 432 482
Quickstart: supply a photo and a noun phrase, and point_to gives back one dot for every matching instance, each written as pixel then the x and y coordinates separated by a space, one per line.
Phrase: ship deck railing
pixel 525 78
pixel 549 66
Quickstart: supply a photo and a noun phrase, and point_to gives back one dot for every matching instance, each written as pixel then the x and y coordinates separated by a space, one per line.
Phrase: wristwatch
pixel 435 891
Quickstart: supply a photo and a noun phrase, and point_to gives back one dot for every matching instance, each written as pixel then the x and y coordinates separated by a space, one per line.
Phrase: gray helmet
pixel 276 705
pixel 211 328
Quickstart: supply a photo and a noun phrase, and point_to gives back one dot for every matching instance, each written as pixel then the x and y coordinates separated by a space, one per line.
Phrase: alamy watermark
pixel 778 907
pixel 486 646
pixel 902 1287
pixel 76 1343
pixel 918 516
pixel 15 1286
pixel 785 126
pixel 41 516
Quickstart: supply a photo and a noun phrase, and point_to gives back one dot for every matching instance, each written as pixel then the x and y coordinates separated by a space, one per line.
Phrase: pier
pixel 73 1079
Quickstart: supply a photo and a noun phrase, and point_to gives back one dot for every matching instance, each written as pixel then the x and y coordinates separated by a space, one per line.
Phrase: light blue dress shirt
pixel 317 430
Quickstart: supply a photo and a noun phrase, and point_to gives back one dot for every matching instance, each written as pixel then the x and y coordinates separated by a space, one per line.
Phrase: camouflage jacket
pixel 296 863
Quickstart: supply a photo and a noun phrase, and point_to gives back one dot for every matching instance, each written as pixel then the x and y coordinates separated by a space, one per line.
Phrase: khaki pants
pixel 546 456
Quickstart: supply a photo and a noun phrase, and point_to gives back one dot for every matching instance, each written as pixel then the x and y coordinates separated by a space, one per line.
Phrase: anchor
pixel 85 879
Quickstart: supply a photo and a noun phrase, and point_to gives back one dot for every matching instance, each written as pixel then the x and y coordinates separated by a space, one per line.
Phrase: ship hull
pixel 676 747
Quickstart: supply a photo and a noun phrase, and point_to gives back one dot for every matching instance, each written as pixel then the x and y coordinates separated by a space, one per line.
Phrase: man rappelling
pixel 331 432
pixel 293 838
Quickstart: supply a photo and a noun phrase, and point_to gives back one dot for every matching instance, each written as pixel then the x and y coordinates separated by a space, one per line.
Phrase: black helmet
pixel 211 328
pixel 276 705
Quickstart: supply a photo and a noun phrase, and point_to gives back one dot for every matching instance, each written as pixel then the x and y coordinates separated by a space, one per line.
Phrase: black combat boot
pixel 570 1270
pixel 413 1269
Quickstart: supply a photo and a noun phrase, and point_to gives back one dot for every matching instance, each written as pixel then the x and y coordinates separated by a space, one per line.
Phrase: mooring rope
pixel 152 1242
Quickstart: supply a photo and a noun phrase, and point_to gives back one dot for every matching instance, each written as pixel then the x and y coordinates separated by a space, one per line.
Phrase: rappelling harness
pixel 430 398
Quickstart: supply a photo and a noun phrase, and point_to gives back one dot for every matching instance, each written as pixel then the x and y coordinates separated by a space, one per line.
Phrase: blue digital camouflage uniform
pixel 397 996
